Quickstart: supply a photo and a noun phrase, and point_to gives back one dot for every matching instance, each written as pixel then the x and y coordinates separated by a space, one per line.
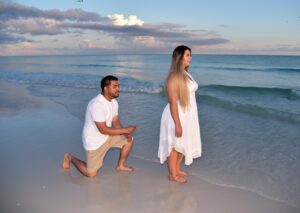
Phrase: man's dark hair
pixel 106 81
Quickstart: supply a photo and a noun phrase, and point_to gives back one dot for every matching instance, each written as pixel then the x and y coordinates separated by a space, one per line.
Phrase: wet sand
pixel 35 132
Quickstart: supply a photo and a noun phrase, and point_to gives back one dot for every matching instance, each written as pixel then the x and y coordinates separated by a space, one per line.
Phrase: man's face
pixel 113 89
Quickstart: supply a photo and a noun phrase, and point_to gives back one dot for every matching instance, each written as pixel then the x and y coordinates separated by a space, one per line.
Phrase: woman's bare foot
pixel 177 179
pixel 66 161
pixel 125 168
pixel 182 173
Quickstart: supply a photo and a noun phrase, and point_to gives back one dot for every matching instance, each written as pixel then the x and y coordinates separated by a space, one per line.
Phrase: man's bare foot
pixel 177 179
pixel 182 173
pixel 125 168
pixel 66 161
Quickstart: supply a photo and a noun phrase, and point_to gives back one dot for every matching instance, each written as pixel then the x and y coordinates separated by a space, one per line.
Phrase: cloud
pixel 289 48
pixel 6 38
pixel 119 20
pixel 19 22
pixel 86 43
pixel 208 41
pixel 37 26
pixel 224 26
pixel 163 32
pixel 15 11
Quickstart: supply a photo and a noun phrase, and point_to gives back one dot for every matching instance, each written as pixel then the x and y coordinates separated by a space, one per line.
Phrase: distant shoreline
pixel 149 54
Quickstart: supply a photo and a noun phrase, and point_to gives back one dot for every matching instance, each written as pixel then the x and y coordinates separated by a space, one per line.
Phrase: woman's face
pixel 187 58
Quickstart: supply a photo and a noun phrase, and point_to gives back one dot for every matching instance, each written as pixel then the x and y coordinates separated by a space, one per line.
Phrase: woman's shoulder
pixel 172 77
pixel 172 82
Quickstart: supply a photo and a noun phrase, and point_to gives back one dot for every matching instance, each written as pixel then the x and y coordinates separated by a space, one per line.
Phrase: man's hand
pixel 129 137
pixel 130 129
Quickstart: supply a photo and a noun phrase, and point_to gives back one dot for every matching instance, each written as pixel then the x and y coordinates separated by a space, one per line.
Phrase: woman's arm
pixel 173 96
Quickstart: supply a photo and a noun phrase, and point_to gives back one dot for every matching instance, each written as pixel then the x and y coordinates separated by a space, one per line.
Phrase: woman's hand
pixel 178 130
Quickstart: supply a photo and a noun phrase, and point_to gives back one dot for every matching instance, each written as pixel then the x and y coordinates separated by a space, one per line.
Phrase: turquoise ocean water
pixel 249 110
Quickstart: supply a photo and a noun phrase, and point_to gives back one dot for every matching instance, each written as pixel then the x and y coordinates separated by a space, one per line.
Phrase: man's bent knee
pixel 129 143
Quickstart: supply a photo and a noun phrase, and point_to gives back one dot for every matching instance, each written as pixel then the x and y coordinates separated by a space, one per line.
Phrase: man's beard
pixel 115 96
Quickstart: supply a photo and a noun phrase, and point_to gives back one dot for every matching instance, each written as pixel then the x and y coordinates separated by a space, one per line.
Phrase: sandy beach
pixel 35 132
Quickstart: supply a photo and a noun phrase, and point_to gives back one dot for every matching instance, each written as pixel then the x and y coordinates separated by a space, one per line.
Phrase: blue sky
pixel 141 27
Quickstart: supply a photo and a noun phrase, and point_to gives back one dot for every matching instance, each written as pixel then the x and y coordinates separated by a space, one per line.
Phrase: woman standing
pixel 179 129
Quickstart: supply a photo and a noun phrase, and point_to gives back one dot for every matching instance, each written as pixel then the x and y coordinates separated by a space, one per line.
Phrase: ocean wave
pixel 84 81
pixel 254 100
pixel 251 108
pixel 150 90
pixel 101 65
pixel 279 103
pixel 289 93
pixel 272 69
pixel 285 69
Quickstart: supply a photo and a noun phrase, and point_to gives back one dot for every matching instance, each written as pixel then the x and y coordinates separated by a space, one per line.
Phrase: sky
pixel 59 27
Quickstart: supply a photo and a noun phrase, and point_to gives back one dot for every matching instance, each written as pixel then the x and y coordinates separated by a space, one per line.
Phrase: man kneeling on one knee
pixel 102 130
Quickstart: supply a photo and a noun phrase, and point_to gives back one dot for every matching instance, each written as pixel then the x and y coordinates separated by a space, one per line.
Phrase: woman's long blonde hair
pixel 177 68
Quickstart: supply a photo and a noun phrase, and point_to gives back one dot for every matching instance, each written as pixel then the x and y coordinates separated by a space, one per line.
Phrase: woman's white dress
pixel 189 144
